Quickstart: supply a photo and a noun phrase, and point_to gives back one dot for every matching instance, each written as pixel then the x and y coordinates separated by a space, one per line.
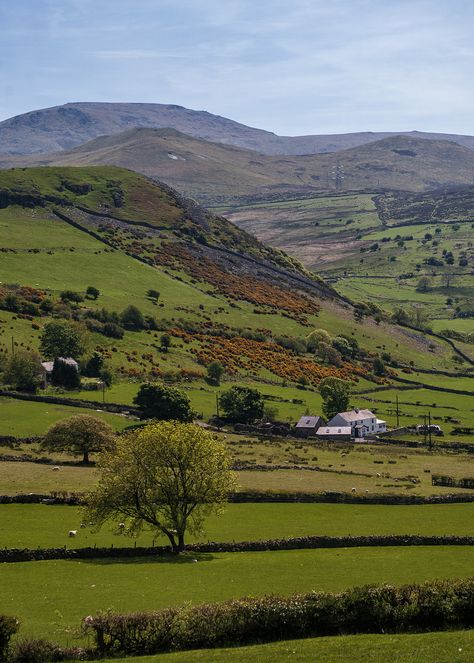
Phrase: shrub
pixel 8 627
pixel 370 609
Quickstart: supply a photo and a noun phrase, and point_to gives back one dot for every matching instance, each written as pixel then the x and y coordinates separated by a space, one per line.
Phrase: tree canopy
pixel 61 339
pixel 157 401
pixel 335 394
pixel 167 477
pixel 23 370
pixel 242 404
pixel 81 434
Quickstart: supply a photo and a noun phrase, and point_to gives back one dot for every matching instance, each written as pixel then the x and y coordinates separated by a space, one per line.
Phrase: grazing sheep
pixel 72 532
pixel 83 525
pixel 353 490
pixel 55 468
pixel 378 474
pixel 121 525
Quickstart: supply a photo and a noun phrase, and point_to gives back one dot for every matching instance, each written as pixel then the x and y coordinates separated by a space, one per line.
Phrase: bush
pixel 432 605
pixel 8 627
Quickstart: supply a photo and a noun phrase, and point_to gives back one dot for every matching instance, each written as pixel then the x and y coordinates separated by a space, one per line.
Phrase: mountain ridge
pixel 69 125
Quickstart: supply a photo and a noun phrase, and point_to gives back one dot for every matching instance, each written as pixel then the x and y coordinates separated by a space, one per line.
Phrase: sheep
pixel 83 525
pixel 121 525
pixel 55 468
pixel 72 532
pixel 353 490
pixel 378 474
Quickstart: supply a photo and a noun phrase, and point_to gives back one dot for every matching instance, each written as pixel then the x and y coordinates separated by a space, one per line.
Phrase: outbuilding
pixel 308 426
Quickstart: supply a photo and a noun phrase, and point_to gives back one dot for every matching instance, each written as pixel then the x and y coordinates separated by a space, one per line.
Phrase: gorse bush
pixel 430 606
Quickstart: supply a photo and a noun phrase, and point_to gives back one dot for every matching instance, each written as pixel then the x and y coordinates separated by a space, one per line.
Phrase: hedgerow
pixel 430 606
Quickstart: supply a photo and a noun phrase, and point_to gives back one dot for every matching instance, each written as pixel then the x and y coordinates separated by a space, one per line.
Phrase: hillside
pixel 67 126
pixel 409 250
pixel 222 294
pixel 216 174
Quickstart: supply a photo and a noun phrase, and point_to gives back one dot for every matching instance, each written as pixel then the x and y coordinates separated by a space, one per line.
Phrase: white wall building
pixel 362 422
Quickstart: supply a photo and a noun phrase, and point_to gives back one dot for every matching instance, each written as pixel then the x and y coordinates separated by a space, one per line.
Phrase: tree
pixel 328 354
pixel 335 394
pixel 71 296
pixel 65 374
pixel 92 292
pixel 167 477
pixel 61 339
pixel 81 434
pixel 165 342
pixel 23 371
pixel 94 365
pixel 424 284
pixel 342 345
pixel 215 371
pixel 242 404
pixel 379 367
pixel 316 337
pixel 157 401
pixel 132 318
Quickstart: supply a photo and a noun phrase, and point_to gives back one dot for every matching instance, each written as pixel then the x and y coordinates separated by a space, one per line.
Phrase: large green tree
pixel 157 401
pixel 61 339
pixel 167 477
pixel 23 370
pixel 81 434
pixel 335 394
pixel 242 404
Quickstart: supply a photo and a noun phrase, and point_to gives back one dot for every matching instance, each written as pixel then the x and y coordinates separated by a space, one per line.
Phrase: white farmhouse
pixel 362 422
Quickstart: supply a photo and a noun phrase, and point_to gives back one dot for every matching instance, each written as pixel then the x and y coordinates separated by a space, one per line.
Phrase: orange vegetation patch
pixel 236 286
pixel 246 354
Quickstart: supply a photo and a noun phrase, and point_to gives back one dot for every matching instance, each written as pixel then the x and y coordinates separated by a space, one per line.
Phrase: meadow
pixel 41 593
pixel 446 647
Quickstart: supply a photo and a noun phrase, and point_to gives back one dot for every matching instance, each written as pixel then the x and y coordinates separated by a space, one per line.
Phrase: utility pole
pixel 429 431
pixel 424 429
pixel 218 413
pixel 398 413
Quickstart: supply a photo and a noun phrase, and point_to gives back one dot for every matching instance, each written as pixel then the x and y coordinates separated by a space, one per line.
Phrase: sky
pixel 293 67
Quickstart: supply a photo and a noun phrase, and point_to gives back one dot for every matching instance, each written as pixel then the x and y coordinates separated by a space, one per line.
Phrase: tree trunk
pixel 85 458
pixel 180 542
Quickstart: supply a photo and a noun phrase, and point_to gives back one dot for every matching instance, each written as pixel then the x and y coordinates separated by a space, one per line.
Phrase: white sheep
pixel 72 532
pixel 83 525
pixel 353 490
pixel 121 525
pixel 56 468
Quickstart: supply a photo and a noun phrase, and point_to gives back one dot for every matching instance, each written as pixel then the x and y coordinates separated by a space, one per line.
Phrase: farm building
pixel 361 422
pixel 308 425
pixel 49 365
pixel 341 433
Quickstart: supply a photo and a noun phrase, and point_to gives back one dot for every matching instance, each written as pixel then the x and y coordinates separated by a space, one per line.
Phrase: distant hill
pixel 67 126
pixel 216 174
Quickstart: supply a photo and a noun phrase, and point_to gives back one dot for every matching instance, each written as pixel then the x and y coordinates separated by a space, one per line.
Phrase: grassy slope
pixel 445 647
pixel 39 593
pixel 65 257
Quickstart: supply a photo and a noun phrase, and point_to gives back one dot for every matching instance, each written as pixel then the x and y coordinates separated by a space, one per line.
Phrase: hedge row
pixel 431 606
pixel 295 543
pixel 268 497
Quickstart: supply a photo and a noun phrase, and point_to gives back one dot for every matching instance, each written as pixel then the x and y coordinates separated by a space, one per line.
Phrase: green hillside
pixel 223 294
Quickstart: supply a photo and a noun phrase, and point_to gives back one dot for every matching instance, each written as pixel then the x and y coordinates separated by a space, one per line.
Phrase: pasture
pixel 46 526
pixel 51 597
pixel 444 647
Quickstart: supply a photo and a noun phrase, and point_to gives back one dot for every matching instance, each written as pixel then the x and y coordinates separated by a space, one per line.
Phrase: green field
pixel 33 525
pixel 444 647
pixel 51 597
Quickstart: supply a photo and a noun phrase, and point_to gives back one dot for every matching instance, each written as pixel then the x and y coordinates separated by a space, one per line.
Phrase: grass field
pixel 25 418
pixel 444 647
pixel 33 525
pixel 51 597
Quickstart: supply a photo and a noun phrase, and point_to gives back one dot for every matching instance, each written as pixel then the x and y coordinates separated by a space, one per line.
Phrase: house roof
pixel 49 365
pixel 334 430
pixel 309 422
pixel 355 415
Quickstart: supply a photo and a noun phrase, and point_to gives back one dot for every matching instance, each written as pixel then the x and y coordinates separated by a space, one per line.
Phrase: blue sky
pixel 293 67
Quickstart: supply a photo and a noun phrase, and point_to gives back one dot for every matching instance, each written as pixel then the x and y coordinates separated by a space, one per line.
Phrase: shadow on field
pixel 186 558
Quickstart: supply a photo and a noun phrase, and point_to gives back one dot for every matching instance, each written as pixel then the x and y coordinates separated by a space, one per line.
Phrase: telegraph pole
pixel 424 429
pixel 398 413
pixel 429 430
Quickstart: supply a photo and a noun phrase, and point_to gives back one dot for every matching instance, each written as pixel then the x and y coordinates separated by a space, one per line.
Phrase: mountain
pixel 67 126
pixel 217 174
